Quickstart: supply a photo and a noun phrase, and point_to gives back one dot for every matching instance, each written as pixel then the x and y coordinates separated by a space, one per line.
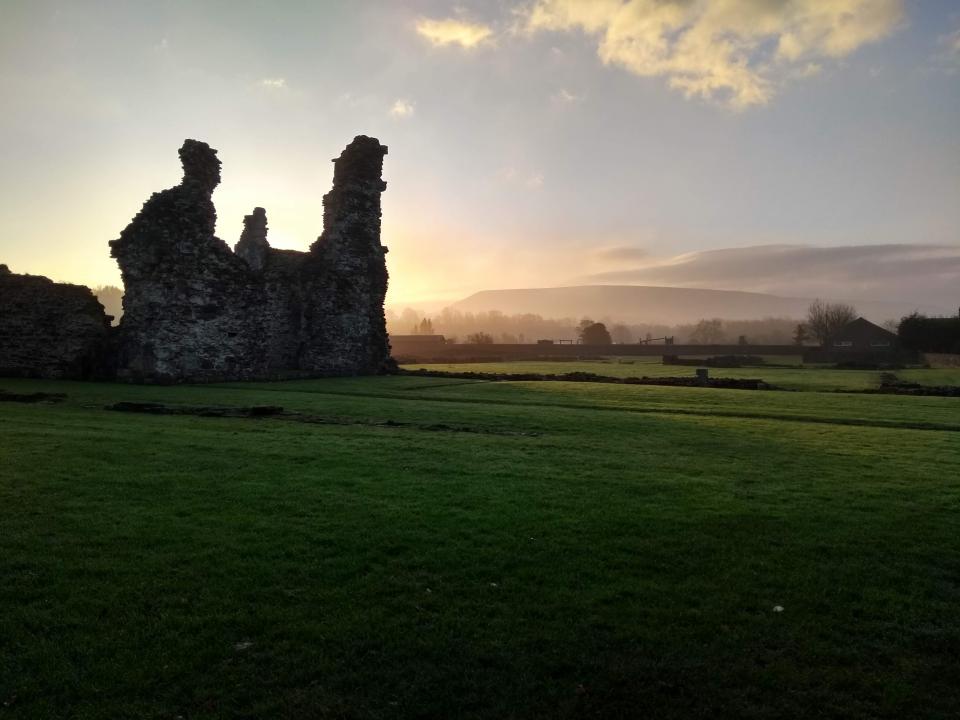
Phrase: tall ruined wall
pixel 195 311
pixel 187 298
pixel 278 273
pixel 348 272
pixel 51 330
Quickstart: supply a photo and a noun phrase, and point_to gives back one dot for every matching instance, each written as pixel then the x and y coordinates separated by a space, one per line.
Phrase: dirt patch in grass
pixel 151 408
pixel 890 384
pixel 277 412
pixel 722 383
pixel 36 397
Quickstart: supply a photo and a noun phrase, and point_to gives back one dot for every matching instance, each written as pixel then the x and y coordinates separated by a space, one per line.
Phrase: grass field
pixel 792 377
pixel 438 548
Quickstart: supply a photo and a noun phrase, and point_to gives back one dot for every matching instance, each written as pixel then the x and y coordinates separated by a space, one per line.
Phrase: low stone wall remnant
pixel 51 330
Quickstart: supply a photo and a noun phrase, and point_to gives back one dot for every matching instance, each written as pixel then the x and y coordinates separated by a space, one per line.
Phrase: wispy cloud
pixel 402 109
pixel 948 56
pixel 808 70
pixel 565 97
pixel 534 181
pixel 531 180
pixel 735 52
pixel 275 83
pixel 921 273
pixel 452 31
pixel 622 253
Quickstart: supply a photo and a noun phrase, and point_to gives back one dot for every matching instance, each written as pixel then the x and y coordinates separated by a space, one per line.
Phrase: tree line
pixel 498 327
pixel 823 320
pixel 930 334
pixel 916 331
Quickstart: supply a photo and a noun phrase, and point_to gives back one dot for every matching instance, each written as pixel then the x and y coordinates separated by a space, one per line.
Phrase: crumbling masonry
pixel 195 311
pixel 51 330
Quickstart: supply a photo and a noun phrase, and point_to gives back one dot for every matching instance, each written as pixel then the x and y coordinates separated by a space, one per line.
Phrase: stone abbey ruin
pixel 194 310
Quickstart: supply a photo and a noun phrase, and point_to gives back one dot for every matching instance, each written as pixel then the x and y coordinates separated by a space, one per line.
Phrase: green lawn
pixel 796 377
pixel 435 548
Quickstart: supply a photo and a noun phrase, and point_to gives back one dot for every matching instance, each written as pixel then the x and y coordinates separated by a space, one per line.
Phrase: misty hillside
pixel 667 305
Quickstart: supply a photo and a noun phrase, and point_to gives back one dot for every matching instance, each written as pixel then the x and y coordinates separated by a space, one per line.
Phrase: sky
pixel 804 147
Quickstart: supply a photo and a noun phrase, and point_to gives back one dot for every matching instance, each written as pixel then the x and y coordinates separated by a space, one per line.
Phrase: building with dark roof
pixel 859 341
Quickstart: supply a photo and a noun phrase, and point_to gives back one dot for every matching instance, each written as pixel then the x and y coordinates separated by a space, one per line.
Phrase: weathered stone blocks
pixel 195 311
pixel 51 330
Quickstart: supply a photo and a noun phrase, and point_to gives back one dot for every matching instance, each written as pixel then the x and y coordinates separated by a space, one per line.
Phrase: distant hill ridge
pixel 664 305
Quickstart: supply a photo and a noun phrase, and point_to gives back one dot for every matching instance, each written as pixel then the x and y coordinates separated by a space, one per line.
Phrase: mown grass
pixel 500 550
pixel 791 377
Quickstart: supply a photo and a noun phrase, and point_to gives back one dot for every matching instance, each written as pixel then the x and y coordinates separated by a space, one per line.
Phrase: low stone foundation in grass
pixel 690 381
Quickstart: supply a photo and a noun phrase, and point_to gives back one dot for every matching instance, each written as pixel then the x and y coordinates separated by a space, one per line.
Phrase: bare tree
pixel 621 334
pixel 480 338
pixel 800 335
pixel 825 319
pixel 708 332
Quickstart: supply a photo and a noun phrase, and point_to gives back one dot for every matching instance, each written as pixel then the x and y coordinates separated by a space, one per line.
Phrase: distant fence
pixel 439 352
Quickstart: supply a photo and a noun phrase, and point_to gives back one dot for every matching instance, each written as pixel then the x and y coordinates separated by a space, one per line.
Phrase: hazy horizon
pixel 797 148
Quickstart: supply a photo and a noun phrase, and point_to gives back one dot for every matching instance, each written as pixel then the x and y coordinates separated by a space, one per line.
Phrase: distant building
pixel 859 341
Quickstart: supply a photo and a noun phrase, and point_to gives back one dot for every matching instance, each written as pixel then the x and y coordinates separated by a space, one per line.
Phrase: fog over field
pixel 630 284
pixel 911 275
pixel 637 304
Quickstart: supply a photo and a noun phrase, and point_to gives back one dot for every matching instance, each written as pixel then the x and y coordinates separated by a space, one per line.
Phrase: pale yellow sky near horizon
pixel 532 142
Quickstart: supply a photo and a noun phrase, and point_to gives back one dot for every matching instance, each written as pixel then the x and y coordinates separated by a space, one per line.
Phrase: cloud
pixel 948 58
pixel 454 32
pixel 808 70
pixel 733 51
pixel 276 83
pixel 916 273
pixel 565 97
pixel 531 180
pixel 945 57
pixel 622 253
pixel 401 109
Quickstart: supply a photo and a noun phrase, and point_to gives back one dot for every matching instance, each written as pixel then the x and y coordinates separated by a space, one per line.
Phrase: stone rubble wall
pixel 196 311
pixel 51 330
pixel 347 268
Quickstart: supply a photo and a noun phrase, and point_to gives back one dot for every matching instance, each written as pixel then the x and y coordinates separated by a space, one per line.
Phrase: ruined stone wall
pixel 347 270
pixel 187 298
pixel 51 330
pixel 278 272
pixel 195 311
